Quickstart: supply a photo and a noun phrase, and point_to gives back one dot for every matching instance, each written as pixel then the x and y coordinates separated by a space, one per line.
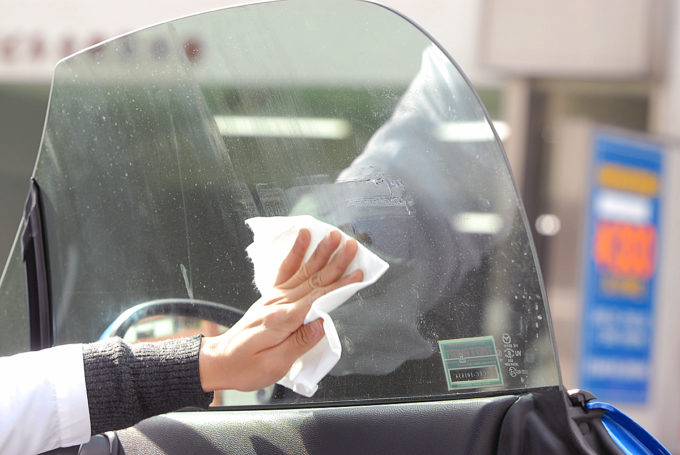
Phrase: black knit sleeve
pixel 127 383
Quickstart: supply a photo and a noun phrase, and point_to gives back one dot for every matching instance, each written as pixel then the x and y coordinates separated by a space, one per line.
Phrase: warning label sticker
pixel 470 363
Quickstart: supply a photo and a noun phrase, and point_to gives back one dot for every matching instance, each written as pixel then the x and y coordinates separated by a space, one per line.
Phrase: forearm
pixel 127 383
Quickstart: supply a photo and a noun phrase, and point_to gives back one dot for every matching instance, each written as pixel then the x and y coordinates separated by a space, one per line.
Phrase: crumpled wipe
pixel 273 239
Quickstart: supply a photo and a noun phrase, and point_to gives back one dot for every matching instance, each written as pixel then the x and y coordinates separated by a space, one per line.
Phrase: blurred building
pixel 556 73
pixel 571 71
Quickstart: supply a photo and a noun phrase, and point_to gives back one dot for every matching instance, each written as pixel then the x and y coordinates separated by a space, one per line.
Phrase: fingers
pixel 298 343
pixel 292 262
pixel 335 268
pixel 316 262
pixel 321 274
pixel 327 275
pixel 300 307
pixel 354 277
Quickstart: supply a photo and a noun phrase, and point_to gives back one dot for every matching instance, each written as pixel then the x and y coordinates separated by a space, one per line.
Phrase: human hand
pixel 260 349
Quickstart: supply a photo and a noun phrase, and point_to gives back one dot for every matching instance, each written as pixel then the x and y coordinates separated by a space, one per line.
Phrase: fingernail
pixel 303 238
pixel 356 274
pixel 316 329
pixel 328 238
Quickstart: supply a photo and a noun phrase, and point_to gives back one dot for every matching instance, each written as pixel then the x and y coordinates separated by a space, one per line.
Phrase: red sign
pixel 625 250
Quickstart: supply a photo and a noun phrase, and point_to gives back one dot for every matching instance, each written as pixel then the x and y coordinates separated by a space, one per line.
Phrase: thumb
pixel 302 340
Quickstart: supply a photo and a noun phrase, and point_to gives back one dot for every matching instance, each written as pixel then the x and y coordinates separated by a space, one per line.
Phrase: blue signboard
pixel 621 268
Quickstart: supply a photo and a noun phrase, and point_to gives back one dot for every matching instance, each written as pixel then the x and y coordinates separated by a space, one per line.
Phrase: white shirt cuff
pixel 43 401
pixel 71 393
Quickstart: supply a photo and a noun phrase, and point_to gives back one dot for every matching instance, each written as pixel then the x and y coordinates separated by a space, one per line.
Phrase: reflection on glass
pixel 166 327
pixel 149 168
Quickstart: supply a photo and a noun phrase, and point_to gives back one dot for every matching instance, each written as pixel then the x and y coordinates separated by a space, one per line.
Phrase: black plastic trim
pixel 381 401
pixel 34 257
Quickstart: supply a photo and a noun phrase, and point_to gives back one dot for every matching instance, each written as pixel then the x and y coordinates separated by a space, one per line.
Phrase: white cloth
pixel 273 239
pixel 43 400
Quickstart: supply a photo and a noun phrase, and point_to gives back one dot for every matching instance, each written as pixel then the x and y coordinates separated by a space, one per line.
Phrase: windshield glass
pixel 151 161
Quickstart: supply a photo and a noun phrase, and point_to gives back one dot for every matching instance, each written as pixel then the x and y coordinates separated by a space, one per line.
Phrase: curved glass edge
pixel 514 186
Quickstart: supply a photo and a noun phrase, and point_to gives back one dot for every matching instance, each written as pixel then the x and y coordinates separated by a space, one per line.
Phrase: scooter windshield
pixel 159 144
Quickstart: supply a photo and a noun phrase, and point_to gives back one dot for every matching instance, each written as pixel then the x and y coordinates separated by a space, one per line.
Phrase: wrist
pixel 208 365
